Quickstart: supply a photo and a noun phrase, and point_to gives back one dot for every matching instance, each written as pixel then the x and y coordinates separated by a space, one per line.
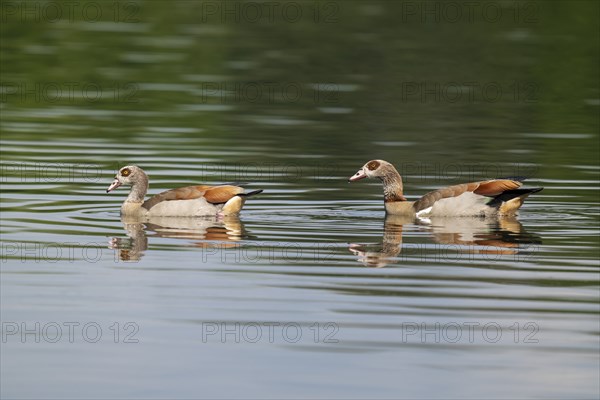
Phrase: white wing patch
pixel 189 208
pixel 424 213
pixel 467 204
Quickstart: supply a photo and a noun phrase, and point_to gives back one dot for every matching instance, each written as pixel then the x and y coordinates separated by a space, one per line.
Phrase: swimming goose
pixel 189 201
pixel 486 198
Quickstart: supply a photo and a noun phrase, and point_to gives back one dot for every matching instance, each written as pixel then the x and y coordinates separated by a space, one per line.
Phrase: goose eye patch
pixel 373 165
pixel 126 172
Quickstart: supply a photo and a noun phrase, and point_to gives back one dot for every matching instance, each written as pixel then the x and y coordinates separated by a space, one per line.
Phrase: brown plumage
pixel 485 198
pixel 212 194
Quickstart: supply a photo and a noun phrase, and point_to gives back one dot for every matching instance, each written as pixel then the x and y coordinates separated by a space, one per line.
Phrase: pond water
pixel 312 292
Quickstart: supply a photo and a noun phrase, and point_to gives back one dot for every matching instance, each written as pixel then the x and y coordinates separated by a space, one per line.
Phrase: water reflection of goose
pixel 203 232
pixel 382 254
pixel 500 236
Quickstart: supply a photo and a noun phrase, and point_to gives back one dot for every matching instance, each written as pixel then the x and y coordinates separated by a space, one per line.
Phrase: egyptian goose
pixel 486 198
pixel 189 201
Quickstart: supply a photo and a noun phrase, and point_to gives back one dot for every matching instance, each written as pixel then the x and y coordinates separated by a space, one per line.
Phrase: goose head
pixel 379 169
pixel 129 176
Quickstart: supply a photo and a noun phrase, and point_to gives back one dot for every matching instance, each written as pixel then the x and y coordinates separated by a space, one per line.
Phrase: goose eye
pixel 373 165
pixel 125 172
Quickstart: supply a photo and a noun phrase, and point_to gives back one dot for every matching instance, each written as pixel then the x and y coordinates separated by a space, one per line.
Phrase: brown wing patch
pixel 187 193
pixel 212 194
pixel 496 186
pixel 184 193
pixel 221 194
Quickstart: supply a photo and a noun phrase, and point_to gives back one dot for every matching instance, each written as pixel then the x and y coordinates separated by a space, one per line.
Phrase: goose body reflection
pixel 500 236
pixel 201 232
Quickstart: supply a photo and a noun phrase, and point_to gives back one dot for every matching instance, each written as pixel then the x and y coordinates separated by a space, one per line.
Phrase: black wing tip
pixel 511 194
pixel 522 191
pixel 534 190
pixel 251 193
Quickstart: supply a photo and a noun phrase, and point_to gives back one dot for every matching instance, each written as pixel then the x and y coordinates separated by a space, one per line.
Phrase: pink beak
pixel 115 184
pixel 358 176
